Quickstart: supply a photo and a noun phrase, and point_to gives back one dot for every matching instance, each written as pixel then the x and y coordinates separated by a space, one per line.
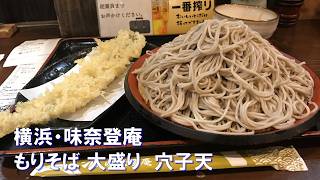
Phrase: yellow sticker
pixel 178 16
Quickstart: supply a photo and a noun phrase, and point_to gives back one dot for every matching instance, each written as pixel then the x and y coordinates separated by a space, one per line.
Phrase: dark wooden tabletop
pixel 300 41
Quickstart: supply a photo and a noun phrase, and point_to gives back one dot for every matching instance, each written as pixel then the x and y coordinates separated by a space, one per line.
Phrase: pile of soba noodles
pixel 222 77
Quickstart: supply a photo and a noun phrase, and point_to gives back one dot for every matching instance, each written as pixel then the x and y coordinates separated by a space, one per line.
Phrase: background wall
pixel 26 10
pixel 39 10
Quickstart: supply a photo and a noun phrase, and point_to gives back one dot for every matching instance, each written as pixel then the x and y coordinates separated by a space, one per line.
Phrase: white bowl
pixel 259 19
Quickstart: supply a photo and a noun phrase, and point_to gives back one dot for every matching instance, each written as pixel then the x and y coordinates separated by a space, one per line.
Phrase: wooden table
pixel 300 41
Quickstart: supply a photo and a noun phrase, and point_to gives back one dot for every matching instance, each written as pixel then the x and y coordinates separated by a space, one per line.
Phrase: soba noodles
pixel 222 77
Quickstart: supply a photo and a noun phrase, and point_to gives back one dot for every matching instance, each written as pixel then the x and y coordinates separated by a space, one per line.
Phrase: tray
pixel 121 115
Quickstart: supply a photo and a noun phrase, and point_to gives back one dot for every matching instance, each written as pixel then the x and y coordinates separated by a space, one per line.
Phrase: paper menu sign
pixel 31 52
pixel 92 110
pixel 114 15
pixel 19 77
pixel 152 17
